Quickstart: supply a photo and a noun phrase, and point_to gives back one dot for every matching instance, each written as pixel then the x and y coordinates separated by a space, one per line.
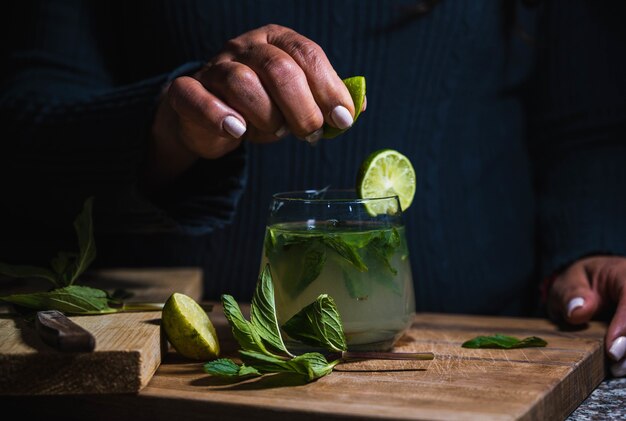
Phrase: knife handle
pixel 60 332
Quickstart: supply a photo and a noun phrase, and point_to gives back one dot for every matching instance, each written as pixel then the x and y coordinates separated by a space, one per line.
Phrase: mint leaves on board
pixel 65 269
pixel 262 348
pixel 504 342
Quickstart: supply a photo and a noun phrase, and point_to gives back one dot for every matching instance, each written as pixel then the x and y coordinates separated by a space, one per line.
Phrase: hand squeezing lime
pixel 386 172
pixel 189 329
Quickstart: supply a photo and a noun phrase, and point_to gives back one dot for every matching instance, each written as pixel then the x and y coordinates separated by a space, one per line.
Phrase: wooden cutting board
pixel 485 384
pixel 129 346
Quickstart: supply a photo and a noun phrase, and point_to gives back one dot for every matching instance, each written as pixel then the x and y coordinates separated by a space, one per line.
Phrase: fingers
pixel 287 85
pixel 329 91
pixel 611 276
pixel 266 83
pixel 616 339
pixel 572 297
pixel 240 87
pixel 202 116
pixel 586 287
pixel 190 100
pixel 298 78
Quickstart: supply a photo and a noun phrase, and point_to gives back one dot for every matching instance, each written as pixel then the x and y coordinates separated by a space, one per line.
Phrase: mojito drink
pixel 364 266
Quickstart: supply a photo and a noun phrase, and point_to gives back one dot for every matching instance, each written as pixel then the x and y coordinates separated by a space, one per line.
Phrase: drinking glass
pixel 332 242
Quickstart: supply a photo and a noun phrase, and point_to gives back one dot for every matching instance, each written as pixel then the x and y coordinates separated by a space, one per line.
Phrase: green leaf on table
pixel 319 325
pixel 503 342
pixel 323 327
pixel 225 367
pixel 263 312
pixel 245 332
pixel 312 365
pixel 73 299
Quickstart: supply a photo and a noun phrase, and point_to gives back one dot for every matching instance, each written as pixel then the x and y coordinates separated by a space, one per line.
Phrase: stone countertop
pixel 606 402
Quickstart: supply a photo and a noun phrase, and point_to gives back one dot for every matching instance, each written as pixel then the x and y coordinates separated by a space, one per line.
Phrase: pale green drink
pixel 363 265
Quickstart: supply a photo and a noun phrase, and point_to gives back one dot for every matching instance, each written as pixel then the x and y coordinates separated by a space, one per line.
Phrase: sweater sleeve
pixel 73 125
pixel 578 132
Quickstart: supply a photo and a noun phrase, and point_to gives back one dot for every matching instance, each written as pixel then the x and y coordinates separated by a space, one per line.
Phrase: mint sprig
pixel 65 269
pixel 504 342
pixel 260 336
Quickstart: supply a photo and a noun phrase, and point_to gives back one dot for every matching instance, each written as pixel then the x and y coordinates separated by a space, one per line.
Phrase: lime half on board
pixel 356 87
pixel 386 172
pixel 189 329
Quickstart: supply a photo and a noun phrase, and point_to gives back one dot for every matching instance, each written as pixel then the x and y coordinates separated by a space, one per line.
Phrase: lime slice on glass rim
pixel 384 173
pixel 189 329
pixel 356 87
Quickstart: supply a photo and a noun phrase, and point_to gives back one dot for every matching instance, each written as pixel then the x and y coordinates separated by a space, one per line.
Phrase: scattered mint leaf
pixel 228 368
pixel 245 332
pixel 504 342
pixel 263 312
pixel 312 365
pixel 319 325
pixel 73 299
pixel 255 336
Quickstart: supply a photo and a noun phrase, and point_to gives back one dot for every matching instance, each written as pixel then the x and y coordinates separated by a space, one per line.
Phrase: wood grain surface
pixel 129 346
pixel 459 384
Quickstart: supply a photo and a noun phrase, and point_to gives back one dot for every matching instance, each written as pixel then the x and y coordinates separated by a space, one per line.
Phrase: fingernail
pixel 234 127
pixel 341 117
pixel 574 304
pixel 364 104
pixel 618 349
pixel 315 136
pixel 619 369
pixel 282 131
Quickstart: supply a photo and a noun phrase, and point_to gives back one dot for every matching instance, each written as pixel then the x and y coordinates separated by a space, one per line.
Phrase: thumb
pixel 572 297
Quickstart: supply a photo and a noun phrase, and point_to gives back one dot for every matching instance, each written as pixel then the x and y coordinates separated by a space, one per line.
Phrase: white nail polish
pixel 574 304
pixel 315 136
pixel 618 349
pixel 281 132
pixel 619 369
pixel 341 117
pixel 234 127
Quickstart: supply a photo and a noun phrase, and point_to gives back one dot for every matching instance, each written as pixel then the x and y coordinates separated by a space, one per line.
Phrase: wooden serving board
pixel 486 384
pixel 129 346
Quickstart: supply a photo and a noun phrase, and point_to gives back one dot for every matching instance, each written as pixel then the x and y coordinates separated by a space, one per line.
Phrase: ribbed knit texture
pixel 497 206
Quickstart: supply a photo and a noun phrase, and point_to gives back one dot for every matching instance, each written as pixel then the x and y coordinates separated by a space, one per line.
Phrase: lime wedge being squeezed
pixel 356 87
pixel 384 173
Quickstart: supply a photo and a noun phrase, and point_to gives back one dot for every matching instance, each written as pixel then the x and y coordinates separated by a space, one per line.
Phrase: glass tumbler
pixel 355 250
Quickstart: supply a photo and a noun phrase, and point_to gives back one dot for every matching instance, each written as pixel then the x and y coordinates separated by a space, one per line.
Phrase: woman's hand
pixel 591 286
pixel 264 84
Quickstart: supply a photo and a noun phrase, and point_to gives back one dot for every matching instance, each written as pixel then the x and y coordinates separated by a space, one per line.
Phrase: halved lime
pixel 386 172
pixel 189 329
pixel 356 87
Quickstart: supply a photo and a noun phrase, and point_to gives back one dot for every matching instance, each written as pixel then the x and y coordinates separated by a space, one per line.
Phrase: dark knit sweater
pixel 516 126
